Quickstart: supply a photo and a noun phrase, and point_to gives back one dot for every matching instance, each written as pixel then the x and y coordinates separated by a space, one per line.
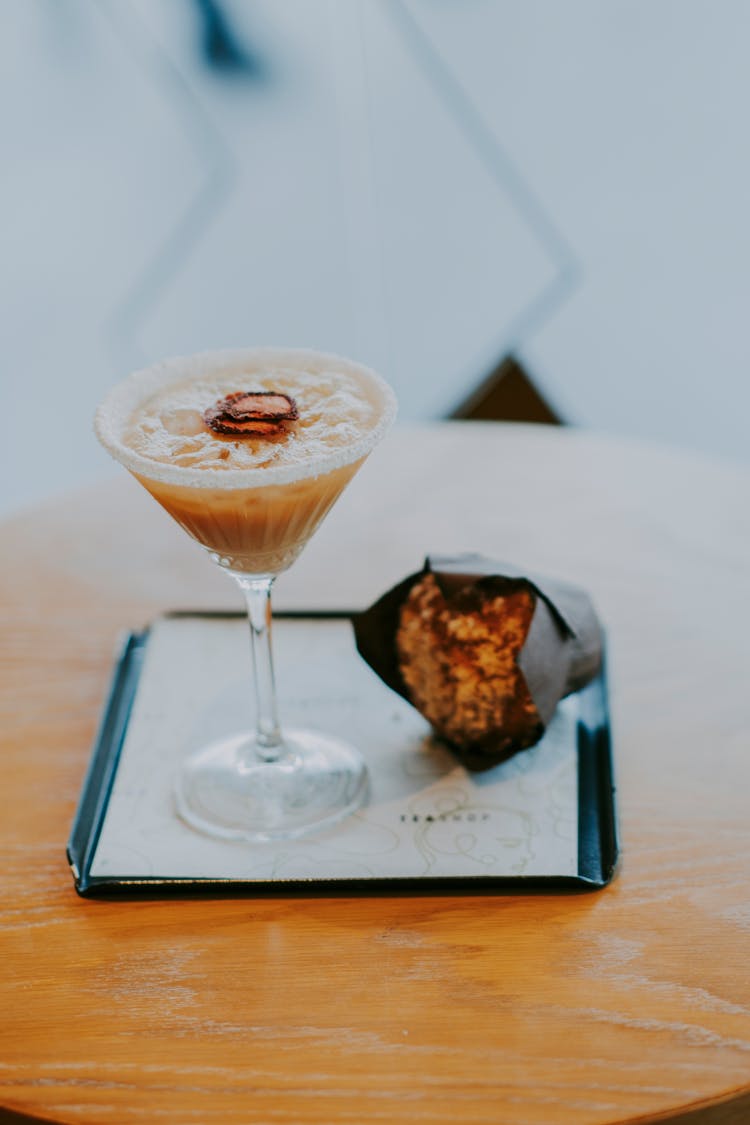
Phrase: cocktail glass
pixel 254 520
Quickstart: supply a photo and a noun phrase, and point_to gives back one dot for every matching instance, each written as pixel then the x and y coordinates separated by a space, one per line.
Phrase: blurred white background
pixel 427 185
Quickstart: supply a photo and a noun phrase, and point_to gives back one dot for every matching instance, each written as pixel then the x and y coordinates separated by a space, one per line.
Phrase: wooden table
pixel 629 1004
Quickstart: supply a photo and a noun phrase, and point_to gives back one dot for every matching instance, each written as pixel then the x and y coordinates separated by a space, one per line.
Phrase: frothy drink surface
pixel 334 410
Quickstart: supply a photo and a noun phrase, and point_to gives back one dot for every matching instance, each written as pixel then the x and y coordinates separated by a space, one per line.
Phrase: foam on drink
pixel 169 426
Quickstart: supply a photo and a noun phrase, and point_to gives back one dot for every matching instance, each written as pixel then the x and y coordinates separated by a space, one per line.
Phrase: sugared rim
pixel 117 407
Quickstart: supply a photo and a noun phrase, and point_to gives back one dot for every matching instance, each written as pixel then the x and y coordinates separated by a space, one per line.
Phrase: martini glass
pixel 253 502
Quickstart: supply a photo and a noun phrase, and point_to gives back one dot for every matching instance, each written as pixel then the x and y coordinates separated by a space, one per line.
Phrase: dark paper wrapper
pixel 562 651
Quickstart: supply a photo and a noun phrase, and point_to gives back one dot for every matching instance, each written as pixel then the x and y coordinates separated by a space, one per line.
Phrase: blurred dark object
pixel 221 47
pixel 9 1117
pixel 507 395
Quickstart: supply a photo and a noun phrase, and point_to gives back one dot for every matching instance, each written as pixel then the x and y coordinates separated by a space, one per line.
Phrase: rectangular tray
pixel 543 820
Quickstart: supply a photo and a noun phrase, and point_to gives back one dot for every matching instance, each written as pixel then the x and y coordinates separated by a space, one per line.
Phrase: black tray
pixel 597 845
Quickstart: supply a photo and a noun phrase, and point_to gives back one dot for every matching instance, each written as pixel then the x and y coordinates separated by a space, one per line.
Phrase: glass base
pixel 228 790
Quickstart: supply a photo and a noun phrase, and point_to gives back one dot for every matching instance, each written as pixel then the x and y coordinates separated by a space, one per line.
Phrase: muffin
pixel 483 651
pixel 458 658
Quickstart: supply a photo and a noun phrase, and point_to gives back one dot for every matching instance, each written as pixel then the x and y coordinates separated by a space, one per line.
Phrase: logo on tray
pixel 465 816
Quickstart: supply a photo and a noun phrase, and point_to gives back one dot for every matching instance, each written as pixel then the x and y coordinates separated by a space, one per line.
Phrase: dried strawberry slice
pixel 251 413
pixel 250 428
pixel 269 406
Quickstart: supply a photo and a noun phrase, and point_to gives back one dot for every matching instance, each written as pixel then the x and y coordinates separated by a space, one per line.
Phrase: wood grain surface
pixel 629 1004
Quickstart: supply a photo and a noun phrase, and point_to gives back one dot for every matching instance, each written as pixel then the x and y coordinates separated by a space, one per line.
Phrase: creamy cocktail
pixel 248 450
pixel 252 499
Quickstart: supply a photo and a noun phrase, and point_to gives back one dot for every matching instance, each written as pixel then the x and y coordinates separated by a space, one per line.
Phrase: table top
pixel 630 1003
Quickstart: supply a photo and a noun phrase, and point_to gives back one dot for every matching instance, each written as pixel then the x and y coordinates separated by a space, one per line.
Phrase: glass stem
pixel 257 593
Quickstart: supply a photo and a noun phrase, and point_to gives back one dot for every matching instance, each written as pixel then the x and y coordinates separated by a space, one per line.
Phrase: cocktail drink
pixel 248 450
